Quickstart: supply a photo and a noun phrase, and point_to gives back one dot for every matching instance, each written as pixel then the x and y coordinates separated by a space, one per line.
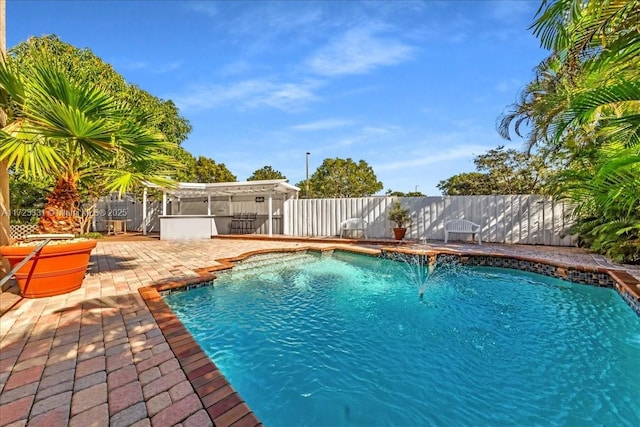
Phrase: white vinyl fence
pixel 524 219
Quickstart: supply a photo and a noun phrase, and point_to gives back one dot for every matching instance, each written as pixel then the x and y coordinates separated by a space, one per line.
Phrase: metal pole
pixel 307 181
pixel 24 261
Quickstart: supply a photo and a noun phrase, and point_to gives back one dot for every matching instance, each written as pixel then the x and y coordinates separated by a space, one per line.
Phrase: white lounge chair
pixel 354 224
pixel 462 226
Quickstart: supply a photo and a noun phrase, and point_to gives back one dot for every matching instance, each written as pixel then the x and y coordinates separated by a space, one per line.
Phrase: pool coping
pixel 224 404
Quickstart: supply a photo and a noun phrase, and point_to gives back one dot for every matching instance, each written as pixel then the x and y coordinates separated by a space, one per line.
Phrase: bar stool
pixel 237 224
pixel 249 226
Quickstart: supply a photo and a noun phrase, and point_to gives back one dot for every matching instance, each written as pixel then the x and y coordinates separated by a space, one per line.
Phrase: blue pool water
pixel 345 341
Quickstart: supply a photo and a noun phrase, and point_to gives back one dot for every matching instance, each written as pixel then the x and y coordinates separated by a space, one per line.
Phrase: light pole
pixel 307 181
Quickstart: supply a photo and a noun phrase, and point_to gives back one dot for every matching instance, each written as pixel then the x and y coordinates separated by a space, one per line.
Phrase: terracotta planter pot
pixel 399 233
pixel 55 270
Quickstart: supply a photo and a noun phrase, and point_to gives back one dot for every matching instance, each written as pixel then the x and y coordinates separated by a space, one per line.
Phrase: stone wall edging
pixel 625 284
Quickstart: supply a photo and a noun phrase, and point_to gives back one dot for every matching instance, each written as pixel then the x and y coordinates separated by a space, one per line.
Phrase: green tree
pixel 265 173
pixel 466 184
pixel 343 178
pixel 70 129
pixel 157 114
pixel 207 170
pixel 28 196
pixel 584 109
pixel 187 173
pixel 499 171
pixel 84 66
pixel 390 192
pixel 512 171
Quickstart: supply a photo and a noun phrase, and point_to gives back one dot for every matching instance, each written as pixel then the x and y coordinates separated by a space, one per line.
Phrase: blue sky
pixel 414 88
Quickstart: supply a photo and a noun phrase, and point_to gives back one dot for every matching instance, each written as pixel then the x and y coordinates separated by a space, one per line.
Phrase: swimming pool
pixel 345 340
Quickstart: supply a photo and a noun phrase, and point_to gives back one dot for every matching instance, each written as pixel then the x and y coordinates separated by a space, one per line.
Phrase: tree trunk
pixel 61 212
pixel 5 212
pixel 86 219
pixel 5 231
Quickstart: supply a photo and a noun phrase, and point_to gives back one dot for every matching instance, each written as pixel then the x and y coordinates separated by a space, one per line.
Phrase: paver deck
pixel 99 356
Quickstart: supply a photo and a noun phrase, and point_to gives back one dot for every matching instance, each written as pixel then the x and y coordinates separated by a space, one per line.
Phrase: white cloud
pixel 235 68
pixel 509 85
pixel 358 51
pixel 286 96
pixel 207 8
pixel 134 65
pixel 322 125
pixel 457 37
pixel 509 10
pixel 454 29
pixel 434 156
pixel 166 68
pixel 438 154
pixel 366 137
pixel 266 25
pixel 249 94
pixel 138 65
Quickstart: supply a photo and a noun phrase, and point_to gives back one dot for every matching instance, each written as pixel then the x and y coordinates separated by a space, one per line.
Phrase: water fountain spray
pixel 416 267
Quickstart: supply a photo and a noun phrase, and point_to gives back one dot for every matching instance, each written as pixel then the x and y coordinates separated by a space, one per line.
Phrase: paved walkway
pixel 97 357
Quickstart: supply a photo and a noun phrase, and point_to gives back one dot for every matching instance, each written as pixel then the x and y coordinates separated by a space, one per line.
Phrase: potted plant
pixel 69 129
pixel 401 217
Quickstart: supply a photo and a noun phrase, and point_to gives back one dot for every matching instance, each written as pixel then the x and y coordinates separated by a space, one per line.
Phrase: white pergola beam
pixel 229 189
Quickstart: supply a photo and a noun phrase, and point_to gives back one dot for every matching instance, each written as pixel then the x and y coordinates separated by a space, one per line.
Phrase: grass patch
pixel 92 235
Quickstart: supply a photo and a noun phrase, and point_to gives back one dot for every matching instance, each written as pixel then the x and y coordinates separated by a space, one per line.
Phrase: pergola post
pixel 144 212
pixel 164 203
pixel 278 189
pixel 270 207
pixel 285 213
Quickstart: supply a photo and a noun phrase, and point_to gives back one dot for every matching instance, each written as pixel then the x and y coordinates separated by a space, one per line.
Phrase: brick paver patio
pixel 99 357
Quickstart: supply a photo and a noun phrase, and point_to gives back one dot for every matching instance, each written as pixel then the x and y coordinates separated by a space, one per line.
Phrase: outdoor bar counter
pixel 263 201
pixel 190 227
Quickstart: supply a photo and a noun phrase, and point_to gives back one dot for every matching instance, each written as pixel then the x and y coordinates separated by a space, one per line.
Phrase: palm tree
pixel 70 130
pixel 4 168
pixel 585 107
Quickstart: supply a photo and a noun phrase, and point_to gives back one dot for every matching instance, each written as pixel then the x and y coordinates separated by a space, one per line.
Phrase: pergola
pixel 263 188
